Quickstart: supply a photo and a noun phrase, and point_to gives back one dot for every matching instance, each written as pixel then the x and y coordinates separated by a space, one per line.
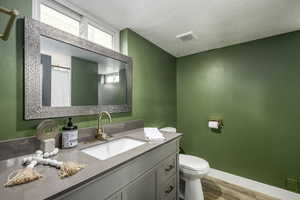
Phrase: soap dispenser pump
pixel 69 135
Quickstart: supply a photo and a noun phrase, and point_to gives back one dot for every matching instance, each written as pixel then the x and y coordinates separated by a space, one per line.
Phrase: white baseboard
pixel 254 185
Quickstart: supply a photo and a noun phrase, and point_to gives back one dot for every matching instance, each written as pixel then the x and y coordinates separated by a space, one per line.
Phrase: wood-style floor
pixel 215 189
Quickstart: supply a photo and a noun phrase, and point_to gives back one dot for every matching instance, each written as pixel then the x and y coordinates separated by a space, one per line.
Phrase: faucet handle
pixel 100 135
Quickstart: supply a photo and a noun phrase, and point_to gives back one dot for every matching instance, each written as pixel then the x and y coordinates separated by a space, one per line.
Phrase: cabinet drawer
pixel 167 169
pixel 168 190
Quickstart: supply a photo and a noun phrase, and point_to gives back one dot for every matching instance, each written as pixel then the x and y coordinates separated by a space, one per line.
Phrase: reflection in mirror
pixel 77 77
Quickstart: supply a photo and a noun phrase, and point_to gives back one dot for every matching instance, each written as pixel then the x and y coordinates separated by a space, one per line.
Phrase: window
pixel 69 18
pixel 100 37
pixel 112 78
pixel 59 20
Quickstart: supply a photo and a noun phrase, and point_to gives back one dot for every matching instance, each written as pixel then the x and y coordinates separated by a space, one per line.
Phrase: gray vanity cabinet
pixel 151 176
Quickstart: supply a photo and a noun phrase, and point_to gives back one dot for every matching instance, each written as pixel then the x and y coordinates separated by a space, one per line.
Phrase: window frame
pixel 101 29
pixel 73 18
pixel 67 8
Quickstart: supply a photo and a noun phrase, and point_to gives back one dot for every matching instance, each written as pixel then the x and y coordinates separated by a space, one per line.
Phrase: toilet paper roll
pixel 213 124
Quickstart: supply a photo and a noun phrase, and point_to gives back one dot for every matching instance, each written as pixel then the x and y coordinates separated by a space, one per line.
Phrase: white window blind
pixel 59 20
pixel 100 37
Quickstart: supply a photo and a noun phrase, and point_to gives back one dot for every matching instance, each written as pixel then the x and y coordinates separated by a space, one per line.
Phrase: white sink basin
pixel 112 148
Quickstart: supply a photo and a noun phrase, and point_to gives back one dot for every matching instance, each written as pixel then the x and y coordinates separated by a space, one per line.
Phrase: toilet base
pixel 193 189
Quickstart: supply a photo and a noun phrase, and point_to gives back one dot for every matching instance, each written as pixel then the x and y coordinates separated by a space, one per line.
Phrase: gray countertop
pixel 51 186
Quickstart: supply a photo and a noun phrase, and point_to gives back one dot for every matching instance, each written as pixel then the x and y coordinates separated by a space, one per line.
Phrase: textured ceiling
pixel 217 23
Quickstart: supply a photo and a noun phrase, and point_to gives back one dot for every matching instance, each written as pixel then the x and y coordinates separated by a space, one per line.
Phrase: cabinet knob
pixel 170 189
pixel 169 168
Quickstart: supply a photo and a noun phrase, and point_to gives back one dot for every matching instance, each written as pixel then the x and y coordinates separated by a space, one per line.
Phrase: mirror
pixel 72 76
pixel 69 76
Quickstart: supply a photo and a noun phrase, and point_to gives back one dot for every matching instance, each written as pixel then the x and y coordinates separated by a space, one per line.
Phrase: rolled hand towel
pixel 153 134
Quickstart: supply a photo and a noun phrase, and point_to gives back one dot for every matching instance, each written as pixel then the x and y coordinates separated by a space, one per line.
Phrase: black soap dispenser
pixel 69 135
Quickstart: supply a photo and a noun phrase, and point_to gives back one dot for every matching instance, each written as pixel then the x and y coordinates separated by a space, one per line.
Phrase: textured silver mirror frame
pixel 32 73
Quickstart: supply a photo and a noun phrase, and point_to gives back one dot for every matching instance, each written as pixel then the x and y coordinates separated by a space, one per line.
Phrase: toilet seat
pixel 193 173
pixel 193 169
pixel 192 164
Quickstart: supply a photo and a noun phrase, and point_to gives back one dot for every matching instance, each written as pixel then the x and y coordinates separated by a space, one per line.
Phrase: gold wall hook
pixel 13 15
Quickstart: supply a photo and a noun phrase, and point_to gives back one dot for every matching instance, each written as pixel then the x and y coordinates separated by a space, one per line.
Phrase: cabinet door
pixel 117 196
pixel 144 188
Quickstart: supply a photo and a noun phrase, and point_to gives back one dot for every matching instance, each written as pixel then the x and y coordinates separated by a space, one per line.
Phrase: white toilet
pixel 192 169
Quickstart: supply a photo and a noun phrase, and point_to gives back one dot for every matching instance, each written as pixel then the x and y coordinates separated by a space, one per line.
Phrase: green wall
pixel 254 87
pixel 11 77
pixel 154 82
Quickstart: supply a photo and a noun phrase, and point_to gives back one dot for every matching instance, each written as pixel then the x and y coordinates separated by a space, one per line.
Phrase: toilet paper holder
pixel 216 124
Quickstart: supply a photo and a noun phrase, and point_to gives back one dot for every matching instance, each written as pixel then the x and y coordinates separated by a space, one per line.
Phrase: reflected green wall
pixel 254 87
pixel 114 93
pixel 84 82
pixel 154 80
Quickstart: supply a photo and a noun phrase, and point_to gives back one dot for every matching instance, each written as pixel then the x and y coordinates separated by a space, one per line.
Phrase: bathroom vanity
pixel 147 171
pixel 150 176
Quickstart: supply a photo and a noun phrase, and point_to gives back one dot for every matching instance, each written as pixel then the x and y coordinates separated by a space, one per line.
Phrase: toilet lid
pixel 192 162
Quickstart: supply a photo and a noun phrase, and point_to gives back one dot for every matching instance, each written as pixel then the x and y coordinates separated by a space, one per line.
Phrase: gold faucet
pixel 100 134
